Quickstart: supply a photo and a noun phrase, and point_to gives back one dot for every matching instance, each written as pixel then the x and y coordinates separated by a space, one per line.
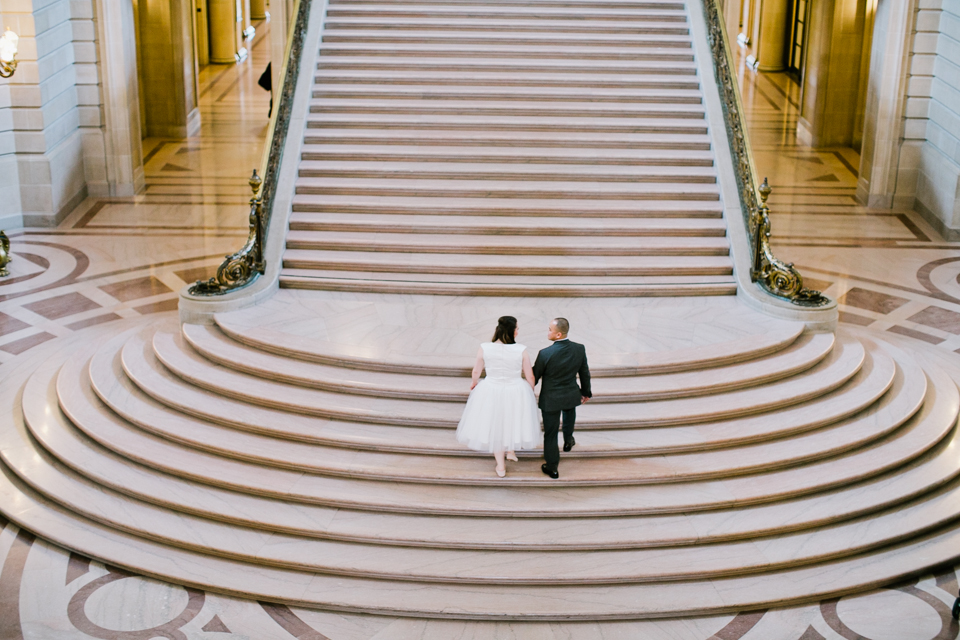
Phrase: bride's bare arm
pixel 478 368
pixel 528 370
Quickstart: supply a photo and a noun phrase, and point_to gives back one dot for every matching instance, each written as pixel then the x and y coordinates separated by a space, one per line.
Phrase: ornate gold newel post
pixel 246 265
pixel 774 276
pixel 5 256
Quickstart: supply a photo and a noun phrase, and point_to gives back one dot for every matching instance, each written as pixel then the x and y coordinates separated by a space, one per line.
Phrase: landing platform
pixel 438 331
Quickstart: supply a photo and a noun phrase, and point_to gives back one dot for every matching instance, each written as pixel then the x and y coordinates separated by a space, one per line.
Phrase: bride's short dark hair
pixel 506 327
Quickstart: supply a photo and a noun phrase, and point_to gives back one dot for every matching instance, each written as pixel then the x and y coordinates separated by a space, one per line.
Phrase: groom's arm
pixel 584 374
pixel 538 367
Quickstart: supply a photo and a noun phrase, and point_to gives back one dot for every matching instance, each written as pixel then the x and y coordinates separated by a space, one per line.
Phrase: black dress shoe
pixel 553 473
pixel 569 445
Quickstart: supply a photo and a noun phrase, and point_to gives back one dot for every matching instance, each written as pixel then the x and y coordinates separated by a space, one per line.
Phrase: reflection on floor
pixel 122 258
pixel 888 269
pixel 117 259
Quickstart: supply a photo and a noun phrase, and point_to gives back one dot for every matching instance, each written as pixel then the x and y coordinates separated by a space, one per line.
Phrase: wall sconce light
pixel 8 53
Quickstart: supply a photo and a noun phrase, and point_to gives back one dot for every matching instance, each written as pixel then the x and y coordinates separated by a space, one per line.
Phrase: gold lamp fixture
pixel 8 53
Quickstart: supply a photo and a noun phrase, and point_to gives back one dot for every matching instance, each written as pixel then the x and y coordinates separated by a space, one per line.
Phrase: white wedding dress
pixel 501 413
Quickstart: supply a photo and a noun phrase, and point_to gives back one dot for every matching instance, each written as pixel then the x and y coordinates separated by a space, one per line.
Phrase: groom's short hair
pixel 563 326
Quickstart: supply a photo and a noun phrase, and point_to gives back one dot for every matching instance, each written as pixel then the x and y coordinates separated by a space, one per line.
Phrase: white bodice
pixel 503 362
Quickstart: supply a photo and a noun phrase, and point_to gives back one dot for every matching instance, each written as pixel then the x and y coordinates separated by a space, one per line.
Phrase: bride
pixel 501 413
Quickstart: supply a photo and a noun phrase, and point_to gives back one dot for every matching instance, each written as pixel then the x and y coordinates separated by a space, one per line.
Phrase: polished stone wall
pixel 49 109
pixel 938 171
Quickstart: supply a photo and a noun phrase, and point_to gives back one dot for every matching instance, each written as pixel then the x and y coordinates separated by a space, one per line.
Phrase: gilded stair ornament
pixel 777 277
pixel 246 265
pixel 774 276
pixel 5 256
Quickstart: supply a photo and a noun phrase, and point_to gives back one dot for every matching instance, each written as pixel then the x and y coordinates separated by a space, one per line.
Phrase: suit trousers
pixel 551 427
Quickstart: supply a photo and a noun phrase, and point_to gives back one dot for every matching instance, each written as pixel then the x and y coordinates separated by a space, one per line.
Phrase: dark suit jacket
pixel 558 366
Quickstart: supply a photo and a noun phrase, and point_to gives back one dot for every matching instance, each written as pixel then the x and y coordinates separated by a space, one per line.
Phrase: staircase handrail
pixel 246 265
pixel 778 278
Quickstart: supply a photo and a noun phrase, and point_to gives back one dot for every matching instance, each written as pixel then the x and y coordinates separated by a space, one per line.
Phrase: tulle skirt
pixel 500 416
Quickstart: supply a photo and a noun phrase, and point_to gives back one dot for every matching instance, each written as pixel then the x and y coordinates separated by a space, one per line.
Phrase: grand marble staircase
pixel 302 451
pixel 511 147
pixel 462 161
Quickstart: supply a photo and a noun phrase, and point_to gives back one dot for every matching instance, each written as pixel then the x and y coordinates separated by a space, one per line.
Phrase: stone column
pixel 169 69
pixel 258 9
pixel 771 42
pixel 886 102
pixel 225 28
pixel 831 80
pixel 121 99
pixel 280 19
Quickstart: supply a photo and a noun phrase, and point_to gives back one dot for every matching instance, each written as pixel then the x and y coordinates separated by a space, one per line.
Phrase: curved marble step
pixel 127 401
pixel 214 345
pixel 513 567
pixel 651 531
pixel 864 389
pixel 722 525
pixel 908 442
pixel 871 382
pixel 473 602
pixel 840 365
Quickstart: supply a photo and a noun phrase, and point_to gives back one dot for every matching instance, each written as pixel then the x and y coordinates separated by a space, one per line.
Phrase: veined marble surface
pixel 52 594
pixel 113 259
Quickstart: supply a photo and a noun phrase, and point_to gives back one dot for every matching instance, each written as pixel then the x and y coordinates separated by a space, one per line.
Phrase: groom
pixel 558 366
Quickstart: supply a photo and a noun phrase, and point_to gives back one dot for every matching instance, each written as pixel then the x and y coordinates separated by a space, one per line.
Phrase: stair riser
pixel 519 175
pixel 498 159
pixel 529 54
pixel 489 142
pixel 651 6
pixel 327 93
pixel 496 39
pixel 484 109
pixel 498 126
pixel 320 207
pixel 470 14
pixel 418 229
pixel 610 291
pixel 509 194
pixel 386 81
pixel 588 29
pixel 504 271
pixel 519 68
pixel 329 245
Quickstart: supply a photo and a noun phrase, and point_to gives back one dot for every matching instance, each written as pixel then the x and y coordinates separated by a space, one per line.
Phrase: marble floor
pixel 114 259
